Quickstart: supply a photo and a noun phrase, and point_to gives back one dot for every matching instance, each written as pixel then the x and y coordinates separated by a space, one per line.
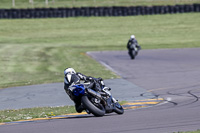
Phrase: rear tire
pixel 97 110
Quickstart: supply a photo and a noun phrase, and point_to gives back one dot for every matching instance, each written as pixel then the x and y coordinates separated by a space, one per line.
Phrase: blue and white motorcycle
pixel 97 102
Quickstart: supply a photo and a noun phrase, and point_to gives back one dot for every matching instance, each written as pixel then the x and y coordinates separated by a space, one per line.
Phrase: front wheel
pixel 118 108
pixel 133 54
pixel 94 108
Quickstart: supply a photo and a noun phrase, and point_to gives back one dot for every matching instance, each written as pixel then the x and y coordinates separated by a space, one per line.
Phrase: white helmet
pixel 132 37
pixel 69 71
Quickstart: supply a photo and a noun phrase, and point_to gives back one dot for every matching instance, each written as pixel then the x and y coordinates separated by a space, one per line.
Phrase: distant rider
pixel 132 41
pixel 72 78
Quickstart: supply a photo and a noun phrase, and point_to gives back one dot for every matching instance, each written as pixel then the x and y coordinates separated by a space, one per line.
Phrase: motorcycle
pixel 97 102
pixel 133 51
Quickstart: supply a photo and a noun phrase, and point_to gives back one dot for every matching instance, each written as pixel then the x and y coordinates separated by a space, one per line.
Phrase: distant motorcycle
pixel 133 51
pixel 95 102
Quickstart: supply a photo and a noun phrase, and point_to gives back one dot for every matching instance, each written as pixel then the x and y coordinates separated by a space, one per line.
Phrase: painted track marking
pixel 130 105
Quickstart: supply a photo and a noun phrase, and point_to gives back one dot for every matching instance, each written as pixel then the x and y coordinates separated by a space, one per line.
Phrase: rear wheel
pixel 96 109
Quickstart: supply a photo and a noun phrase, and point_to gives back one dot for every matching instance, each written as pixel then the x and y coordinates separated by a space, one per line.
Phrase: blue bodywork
pixel 79 90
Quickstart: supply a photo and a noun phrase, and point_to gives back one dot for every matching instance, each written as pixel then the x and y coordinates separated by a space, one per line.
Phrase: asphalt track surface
pixel 53 94
pixel 172 74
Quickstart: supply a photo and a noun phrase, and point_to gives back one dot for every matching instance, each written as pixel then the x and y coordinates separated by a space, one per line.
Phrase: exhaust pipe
pixel 94 93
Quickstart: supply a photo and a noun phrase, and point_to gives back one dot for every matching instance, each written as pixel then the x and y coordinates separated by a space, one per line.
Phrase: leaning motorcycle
pixel 97 102
pixel 133 51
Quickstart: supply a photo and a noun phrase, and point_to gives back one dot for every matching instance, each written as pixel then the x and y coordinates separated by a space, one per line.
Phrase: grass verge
pixel 39 112
pixel 31 113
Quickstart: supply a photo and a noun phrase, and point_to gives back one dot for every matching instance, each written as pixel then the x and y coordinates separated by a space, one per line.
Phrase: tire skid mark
pixel 188 94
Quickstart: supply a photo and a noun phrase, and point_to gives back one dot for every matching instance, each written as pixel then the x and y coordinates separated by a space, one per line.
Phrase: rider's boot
pixel 79 108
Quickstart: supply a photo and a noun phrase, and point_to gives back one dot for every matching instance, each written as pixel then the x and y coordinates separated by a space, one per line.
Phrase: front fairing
pixel 133 47
pixel 78 90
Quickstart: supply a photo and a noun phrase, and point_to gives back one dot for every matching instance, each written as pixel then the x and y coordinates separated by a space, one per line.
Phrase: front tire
pixel 133 54
pixel 118 108
pixel 97 110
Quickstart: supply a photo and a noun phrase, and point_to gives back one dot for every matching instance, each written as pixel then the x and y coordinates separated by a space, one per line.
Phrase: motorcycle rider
pixel 132 41
pixel 72 78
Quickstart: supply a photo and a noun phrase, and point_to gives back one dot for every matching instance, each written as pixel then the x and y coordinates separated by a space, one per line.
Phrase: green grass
pixel 35 51
pixel 90 3
pixel 39 112
pixel 31 113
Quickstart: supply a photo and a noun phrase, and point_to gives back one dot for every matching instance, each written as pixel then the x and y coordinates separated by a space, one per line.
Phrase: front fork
pixel 110 104
pixel 114 100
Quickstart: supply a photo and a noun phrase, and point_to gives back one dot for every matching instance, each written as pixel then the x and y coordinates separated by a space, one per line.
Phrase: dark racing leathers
pixel 132 42
pixel 96 84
